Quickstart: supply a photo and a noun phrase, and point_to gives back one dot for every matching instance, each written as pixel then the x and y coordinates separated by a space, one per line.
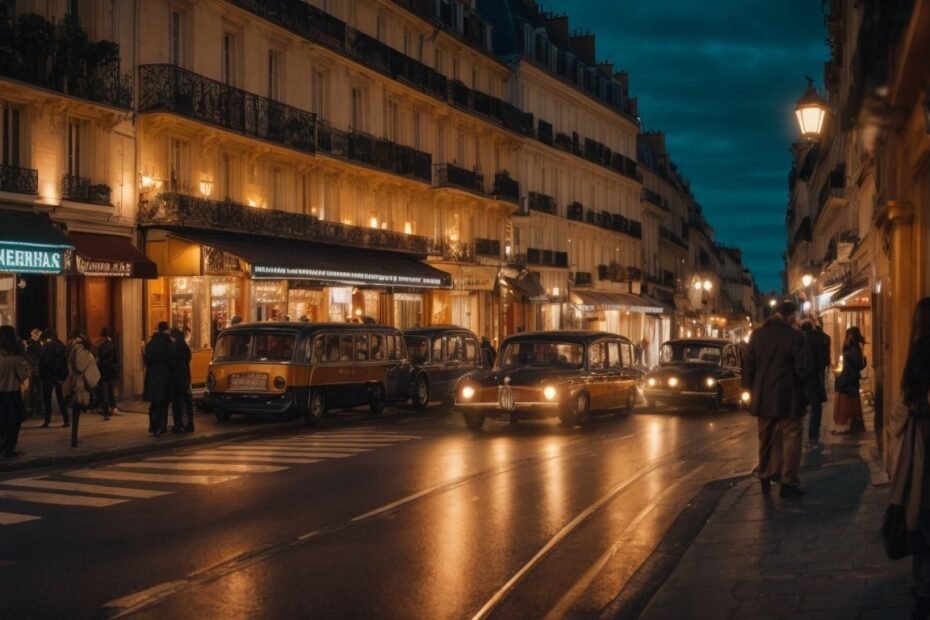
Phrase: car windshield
pixel 417 348
pixel 679 352
pixel 264 347
pixel 528 354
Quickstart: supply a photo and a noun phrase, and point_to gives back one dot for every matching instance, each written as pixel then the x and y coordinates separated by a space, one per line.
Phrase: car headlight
pixel 710 382
pixel 746 397
pixel 673 382
pixel 468 392
pixel 651 382
pixel 550 392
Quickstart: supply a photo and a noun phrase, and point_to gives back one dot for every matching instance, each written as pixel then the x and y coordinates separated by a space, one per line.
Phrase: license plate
pixel 248 381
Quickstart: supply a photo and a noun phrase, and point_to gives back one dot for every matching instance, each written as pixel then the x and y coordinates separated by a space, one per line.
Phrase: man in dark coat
pixel 815 388
pixel 182 405
pixel 159 358
pixel 108 366
pixel 488 353
pixel 53 370
pixel 778 362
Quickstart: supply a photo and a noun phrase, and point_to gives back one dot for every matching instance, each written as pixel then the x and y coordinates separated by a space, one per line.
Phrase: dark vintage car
pixel 441 355
pixel 564 374
pixel 702 371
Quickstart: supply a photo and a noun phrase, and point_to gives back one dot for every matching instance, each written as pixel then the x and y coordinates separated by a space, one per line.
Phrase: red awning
pixel 110 255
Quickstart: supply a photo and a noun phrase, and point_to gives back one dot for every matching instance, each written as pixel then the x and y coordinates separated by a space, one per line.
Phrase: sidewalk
pixel 818 557
pixel 126 433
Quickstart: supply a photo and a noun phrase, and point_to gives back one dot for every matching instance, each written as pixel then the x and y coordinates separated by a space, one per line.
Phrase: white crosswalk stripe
pixel 226 457
pixel 39 483
pixel 296 453
pixel 348 449
pixel 11 518
pixel 112 474
pixel 239 468
pixel 59 498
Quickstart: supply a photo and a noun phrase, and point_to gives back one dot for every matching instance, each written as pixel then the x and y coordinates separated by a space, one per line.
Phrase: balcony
pixel 575 211
pixel 671 237
pixel 379 153
pixel 833 192
pixel 615 272
pixel 547 258
pixel 563 141
pixel 60 57
pixel 195 212
pixel 544 132
pixel 506 188
pixel 168 88
pixel 583 279
pixel 472 28
pixel 487 247
pixel 449 175
pixel 653 198
pixel 19 180
pixel 543 203
pixel 80 189
pixel 596 152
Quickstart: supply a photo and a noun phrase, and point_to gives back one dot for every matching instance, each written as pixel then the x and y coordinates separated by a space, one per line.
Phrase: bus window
pixel 273 347
pixel 316 353
pixel 378 350
pixel 361 347
pixel 332 348
pixel 346 348
pixel 232 347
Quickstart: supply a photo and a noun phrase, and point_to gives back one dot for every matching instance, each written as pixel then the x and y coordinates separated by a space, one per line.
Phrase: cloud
pixel 720 78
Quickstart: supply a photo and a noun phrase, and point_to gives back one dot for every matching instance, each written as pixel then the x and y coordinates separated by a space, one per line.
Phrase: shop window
pixel 7 288
pixel 361 348
pixel 340 304
pixel 224 300
pixel 408 310
pixel 304 304
pixel 461 310
pixel 269 298
pixel 190 307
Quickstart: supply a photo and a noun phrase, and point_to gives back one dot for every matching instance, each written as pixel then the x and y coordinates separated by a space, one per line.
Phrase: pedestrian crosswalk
pixel 156 476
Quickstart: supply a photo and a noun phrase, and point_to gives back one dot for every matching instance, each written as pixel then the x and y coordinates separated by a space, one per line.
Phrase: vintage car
pixel 306 369
pixel 440 355
pixel 702 371
pixel 564 374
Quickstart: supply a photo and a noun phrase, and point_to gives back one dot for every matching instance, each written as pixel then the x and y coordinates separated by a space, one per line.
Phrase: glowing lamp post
pixel 810 110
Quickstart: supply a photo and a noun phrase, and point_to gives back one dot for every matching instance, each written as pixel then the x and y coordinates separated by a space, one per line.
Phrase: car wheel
pixel 421 393
pixel 582 410
pixel 474 421
pixel 222 416
pixel 316 408
pixel 376 399
pixel 630 402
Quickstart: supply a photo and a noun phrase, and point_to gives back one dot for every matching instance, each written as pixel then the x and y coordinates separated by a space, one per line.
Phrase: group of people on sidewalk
pixel 785 372
pixel 79 374
pixel 167 360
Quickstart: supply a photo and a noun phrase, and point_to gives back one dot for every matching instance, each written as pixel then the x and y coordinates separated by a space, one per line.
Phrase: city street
pixel 407 516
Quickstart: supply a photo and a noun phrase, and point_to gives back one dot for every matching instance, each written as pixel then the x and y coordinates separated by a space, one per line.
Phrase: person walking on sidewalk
pixel 910 482
pixel 159 359
pixel 53 370
pixel 182 405
pixel 847 405
pixel 815 388
pixel 13 371
pixel 83 375
pixel 777 363
pixel 33 346
pixel 109 373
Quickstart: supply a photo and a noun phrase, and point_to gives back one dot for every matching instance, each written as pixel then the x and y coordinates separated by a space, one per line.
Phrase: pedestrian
pixel 83 377
pixel 13 372
pixel 235 320
pixel 815 388
pixel 910 482
pixel 33 402
pixel 53 370
pixel 159 359
pixel 109 373
pixel 182 403
pixel 777 364
pixel 489 355
pixel 847 404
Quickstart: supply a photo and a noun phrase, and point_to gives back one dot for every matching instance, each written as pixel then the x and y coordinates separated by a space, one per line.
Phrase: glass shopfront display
pixel 190 304
pixel 269 300
pixel 7 299
pixel 408 310
pixel 304 304
pixel 340 304
pixel 224 301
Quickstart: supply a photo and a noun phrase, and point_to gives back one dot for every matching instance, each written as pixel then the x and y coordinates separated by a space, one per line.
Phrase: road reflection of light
pixel 655 439
pixel 240 598
pixel 554 483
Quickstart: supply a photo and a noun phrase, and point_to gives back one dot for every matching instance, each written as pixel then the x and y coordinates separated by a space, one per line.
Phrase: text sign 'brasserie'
pixel 263 271
pixel 27 258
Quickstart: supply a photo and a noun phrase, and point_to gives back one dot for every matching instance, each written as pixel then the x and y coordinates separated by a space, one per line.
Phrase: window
pixel 74 147
pixel 346 348
pixel 730 358
pixel 613 352
pixel 318 352
pixel 175 44
pixel 416 131
pixel 177 163
pixel 390 120
pixel 529 354
pixel 418 347
pixel 229 55
pixel 627 351
pixel 455 349
pixel 318 94
pixel 361 348
pixel 232 348
pixel 406 45
pixel 455 68
pixel 11 136
pixel 332 348
pixel 382 28
pixel 471 351
pixel 597 356
pixel 355 109
pixel 278 199
pixel 274 74
pixel 273 347
pixel 225 175
pixel 460 150
pixel 437 350
pixel 437 61
pixel 378 348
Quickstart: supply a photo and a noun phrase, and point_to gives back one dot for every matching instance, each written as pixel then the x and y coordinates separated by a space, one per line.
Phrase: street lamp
pixel 810 110
pixel 708 285
pixel 772 303
pixel 806 280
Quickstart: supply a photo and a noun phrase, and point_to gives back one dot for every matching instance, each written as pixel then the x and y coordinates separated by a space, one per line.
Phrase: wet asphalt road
pixel 407 516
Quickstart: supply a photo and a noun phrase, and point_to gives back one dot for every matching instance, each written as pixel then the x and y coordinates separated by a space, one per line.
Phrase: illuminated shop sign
pixel 28 258
pixel 116 269
pixel 264 271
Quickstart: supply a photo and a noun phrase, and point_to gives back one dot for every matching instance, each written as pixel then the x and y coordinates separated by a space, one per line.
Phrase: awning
pixel 30 243
pixel 301 260
pixel 527 285
pixel 599 300
pixel 110 255
pixel 469 277
pixel 667 308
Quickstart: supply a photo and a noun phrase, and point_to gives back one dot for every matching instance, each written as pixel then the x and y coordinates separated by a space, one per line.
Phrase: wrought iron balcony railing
pixel 506 188
pixel 170 88
pixel 487 247
pixel 615 272
pixel 19 180
pixel 542 202
pixel 80 189
pixel 450 175
pixel 544 132
pixel 575 211
pixel 549 258
pixel 379 153
pixel 183 210
pixel 668 235
pixel 647 195
pixel 583 278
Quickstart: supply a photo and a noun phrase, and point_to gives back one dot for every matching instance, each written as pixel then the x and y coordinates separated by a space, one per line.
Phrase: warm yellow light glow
pixel 710 382
pixel 810 119
pixel 806 279
pixel 772 303
pixel 147 181
pixel 206 187
pixel 651 382
pixel 468 392
pixel 373 222
pixel 708 285
pixel 555 292
pixel 745 397
pixel 251 202
pixel 408 228
pixel 550 392
pixel 697 285
pixel 673 382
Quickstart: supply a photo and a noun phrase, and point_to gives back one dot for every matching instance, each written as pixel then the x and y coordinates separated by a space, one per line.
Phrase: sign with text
pixel 29 258
pixel 116 269
pixel 267 271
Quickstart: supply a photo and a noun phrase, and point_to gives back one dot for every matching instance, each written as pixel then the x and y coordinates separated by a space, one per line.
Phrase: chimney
pixel 583 45
pixel 624 78
pixel 656 140
pixel 558 25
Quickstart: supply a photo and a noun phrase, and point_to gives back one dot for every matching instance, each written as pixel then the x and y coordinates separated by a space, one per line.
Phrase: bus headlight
pixel 550 392
pixel 710 382
pixel 468 392
pixel 673 382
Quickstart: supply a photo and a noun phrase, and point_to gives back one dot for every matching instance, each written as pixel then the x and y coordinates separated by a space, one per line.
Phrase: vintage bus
pixel 306 369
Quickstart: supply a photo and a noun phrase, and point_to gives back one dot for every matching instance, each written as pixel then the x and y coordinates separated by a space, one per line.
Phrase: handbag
pixel 894 532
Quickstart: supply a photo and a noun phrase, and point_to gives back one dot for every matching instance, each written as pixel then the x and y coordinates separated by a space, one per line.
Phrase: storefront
pixel 523 297
pixel 620 313
pixel 210 279
pixel 472 302
pixel 33 252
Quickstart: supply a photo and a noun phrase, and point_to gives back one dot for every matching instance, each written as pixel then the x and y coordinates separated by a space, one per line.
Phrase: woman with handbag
pixel 84 377
pixel 907 522
pixel 13 371
pixel 847 404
